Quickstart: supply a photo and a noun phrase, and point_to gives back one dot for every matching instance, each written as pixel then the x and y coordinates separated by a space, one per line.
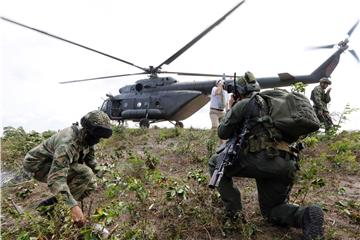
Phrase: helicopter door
pixel 115 108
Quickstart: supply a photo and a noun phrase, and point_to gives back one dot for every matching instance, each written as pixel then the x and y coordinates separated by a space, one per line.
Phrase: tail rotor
pixel 342 44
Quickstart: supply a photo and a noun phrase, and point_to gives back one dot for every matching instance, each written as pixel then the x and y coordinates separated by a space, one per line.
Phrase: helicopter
pixel 154 97
pixel 157 98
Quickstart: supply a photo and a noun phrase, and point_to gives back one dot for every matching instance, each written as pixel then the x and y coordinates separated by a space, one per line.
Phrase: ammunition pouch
pixel 257 143
pixel 283 146
pixel 268 124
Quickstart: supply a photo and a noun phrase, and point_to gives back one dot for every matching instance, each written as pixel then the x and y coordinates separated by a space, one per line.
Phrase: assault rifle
pixel 227 156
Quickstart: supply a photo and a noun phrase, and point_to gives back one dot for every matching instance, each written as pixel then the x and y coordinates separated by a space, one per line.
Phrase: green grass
pixel 155 187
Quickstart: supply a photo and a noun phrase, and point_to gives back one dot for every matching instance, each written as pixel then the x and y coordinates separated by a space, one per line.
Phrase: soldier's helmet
pixel 247 84
pixel 97 124
pixel 325 80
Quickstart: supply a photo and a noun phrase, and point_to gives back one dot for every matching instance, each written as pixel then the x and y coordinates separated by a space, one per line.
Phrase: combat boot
pixel 312 223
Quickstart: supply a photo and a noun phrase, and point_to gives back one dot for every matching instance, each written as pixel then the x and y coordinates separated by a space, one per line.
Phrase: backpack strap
pixel 264 117
pixel 266 120
pixel 248 121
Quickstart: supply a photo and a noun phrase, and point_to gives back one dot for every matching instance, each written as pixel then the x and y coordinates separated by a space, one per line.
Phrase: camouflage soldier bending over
pixel 66 161
pixel 320 99
pixel 269 162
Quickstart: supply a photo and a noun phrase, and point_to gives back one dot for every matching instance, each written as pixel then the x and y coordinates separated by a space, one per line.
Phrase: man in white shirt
pixel 217 103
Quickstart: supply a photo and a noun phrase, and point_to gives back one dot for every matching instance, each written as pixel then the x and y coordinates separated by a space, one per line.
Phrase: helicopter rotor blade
pixel 352 51
pixel 197 74
pixel 71 42
pixel 99 78
pixel 353 28
pixel 192 42
pixel 321 47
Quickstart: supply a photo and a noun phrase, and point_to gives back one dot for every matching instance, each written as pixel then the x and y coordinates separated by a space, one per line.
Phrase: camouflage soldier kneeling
pixel 66 161
pixel 271 163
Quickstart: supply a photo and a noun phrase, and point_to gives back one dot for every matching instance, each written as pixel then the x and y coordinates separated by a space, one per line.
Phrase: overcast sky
pixel 265 37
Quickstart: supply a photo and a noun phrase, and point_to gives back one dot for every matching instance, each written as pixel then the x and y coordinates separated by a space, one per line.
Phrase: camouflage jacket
pixel 320 98
pixel 61 150
pixel 232 119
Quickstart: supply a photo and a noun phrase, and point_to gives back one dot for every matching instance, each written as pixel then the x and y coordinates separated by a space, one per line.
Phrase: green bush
pixel 16 143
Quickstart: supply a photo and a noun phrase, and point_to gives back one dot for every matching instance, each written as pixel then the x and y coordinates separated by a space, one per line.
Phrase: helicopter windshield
pixel 105 105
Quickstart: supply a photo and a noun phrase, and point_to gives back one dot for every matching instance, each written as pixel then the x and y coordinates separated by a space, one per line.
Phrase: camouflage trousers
pixel 325 118
pixel 274 176
pixel 81 179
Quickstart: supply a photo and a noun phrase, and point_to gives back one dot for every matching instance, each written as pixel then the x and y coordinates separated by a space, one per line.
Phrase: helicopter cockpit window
pixel 138 87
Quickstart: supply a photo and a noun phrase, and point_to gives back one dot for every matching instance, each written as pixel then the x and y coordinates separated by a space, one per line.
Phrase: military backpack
pixel 291 113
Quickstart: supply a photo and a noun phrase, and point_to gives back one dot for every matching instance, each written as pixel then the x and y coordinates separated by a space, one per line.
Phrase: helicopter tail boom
pixel 326 68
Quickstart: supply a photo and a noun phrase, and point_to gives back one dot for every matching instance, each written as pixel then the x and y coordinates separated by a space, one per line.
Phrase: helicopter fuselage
pixel 158 99
pixel 166 99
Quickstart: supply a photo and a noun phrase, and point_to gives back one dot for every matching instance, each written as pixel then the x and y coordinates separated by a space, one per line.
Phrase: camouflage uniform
pixel 320 99
pixel 274 171
pixel 66 162
pixel 271 164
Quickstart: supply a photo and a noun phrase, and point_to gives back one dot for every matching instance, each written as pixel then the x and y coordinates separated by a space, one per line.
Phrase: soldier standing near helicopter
pixel 67 164
pixel 320 99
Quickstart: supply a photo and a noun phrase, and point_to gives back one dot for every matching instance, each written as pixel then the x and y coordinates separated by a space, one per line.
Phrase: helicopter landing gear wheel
pixel 121 123
pixel 144 123
pixel 179 125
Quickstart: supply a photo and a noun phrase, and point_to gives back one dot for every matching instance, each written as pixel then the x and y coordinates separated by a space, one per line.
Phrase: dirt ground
pixel 174 202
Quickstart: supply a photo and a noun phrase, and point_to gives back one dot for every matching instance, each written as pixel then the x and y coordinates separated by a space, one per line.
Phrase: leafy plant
pixel 310 141
pixel 343 116
pixel 298 87
pixel 16 143
pixel 197 175
pixel 151 161
pixel 177 191
pixel 309 179
pixel 137 186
